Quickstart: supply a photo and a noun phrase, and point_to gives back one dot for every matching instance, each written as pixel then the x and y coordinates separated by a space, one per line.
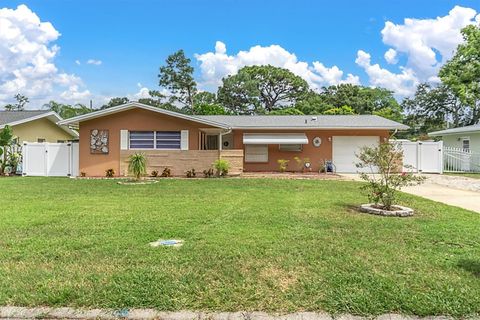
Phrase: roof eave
pixel 131 105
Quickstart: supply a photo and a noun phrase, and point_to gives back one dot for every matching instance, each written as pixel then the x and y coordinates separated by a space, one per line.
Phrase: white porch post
pixel 220 143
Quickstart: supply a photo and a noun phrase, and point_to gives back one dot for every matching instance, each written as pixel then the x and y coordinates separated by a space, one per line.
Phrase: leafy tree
pixel 313 103
pixel 462 73
pixel 204 97
pixel 19 105
pixel 237 94
pixel 177 77
pixel 261 89
pixel 431 107
pixel 343 110
pixel 363 100
pixel 210 109
pixel 117 101
pixel 65 110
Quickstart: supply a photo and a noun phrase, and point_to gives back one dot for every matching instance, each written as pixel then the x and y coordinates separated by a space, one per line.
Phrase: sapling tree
pixel 384 177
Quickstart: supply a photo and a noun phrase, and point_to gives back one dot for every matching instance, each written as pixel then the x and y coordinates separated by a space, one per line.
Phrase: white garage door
pixel 345 148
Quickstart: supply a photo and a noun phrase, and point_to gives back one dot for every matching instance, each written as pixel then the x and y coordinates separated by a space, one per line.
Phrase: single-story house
pixel 36 126
pixel 466 138
pixel 250 143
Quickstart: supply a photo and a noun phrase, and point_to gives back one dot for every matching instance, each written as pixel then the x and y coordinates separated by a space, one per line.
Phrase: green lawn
pixel 268 245
pixel 468 175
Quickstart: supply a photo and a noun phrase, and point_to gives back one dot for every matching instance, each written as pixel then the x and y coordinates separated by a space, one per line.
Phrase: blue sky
pixel 133 38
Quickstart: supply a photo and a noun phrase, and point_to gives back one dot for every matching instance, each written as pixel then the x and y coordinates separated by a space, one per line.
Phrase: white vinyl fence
pixel 461 160
pixel 50 159
pixel 422 156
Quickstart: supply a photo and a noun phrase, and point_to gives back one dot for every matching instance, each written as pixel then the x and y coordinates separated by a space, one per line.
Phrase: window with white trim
pixel 163 140
pixel 256 153
pixel 290 147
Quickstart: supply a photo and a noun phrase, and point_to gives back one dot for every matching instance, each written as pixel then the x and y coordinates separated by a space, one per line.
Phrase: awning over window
pixel 275 138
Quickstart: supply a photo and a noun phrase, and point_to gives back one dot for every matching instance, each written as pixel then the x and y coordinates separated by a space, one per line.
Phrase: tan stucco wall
pixel 134 119
pixel 315 155
pixel 179 161
pixel 41 128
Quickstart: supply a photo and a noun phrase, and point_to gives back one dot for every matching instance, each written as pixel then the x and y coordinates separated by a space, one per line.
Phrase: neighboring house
pixel 36 126
pixel 250 143
pixel 467 138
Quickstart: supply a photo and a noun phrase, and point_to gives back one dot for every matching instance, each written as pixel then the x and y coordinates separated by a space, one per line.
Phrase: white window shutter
pixel 184 140
pixel 123 139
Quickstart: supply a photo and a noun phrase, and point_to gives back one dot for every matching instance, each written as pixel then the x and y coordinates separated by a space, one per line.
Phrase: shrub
pixel 301 163
pixel 166 173
pixel 154 173
pixel 208 173
pixel 191 173
pixel 222 166
pixel 137 165
pixel 282 165
pixel 384 180
pixel 109 173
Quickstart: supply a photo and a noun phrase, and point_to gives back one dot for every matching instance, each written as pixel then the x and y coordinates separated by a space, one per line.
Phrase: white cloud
pixel 78 62
pixel 26 60
pixel 403 84
pixel 94 62
pixel 216 65
pixel 391 56
pixel 428 43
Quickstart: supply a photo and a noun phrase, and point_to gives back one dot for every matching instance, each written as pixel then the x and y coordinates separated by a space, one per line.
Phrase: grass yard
pixel 467 175
pixel 250 244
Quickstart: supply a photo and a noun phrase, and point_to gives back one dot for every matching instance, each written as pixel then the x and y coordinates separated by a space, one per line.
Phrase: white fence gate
pixel 461 160
pixel 50 159
pixel 423 156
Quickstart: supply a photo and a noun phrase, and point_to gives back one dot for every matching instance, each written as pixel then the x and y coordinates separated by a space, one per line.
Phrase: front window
pixel 466 144
pixel 166 140
pixel 290 147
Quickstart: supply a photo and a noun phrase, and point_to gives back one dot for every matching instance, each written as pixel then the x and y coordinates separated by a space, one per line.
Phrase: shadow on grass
pixel 471 266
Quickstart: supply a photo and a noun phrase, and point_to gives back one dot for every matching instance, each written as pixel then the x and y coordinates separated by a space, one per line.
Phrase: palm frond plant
pixel 137 165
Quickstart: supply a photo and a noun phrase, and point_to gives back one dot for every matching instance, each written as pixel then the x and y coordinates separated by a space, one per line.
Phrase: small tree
pixel 384 178
pixel 137 165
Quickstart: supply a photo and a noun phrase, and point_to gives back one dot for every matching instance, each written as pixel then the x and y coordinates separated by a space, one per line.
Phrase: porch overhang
pixel 275 138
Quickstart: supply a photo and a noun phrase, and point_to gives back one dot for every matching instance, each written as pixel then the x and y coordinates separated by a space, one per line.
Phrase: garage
pixel 345 149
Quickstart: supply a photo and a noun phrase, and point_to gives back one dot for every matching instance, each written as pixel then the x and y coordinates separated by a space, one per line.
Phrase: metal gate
pixel 423 156
pixel 50 159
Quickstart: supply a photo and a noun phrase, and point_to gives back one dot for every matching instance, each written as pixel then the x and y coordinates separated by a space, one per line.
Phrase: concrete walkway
pixel 451 190
pixel 70 313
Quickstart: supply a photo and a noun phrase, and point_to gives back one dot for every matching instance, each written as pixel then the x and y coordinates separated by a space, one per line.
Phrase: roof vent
pixel 314 118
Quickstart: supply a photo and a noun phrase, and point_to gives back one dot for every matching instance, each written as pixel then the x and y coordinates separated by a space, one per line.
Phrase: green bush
pixel 222 166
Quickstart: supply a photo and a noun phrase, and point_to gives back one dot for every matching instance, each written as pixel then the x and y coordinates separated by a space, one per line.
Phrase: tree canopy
pixel 19 105
pixel 177 77
pixel 462 74
pixel 261 89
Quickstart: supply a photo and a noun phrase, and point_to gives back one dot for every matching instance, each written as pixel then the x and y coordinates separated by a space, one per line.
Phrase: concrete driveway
pixel 457 191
